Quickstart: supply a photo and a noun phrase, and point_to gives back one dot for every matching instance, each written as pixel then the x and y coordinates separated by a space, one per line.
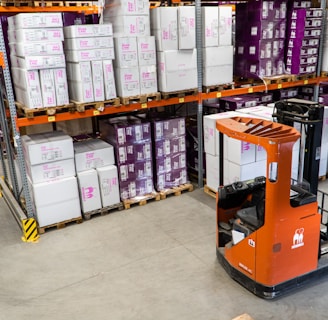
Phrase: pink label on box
pixel 245 146
pixel 165 35
pixel 88 193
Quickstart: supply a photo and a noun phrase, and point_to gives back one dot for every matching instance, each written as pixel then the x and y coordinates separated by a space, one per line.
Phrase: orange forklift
pixel 270 237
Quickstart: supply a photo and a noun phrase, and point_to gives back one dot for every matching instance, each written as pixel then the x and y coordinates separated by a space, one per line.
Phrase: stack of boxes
pixel 260 36
pixel 303 37
pixel 37 59
pixel 89 51
pixel 51 175
pixel 133 148
pixel 97 174
pixel 174 31
pixel 135 64
pixel 217 48
pixel 170 153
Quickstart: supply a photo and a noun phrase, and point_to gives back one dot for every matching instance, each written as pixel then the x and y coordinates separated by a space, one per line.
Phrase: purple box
pixel 313 23
pixel 135 170
pixel 315 33
pixel 261 10
pixel 256 50
pixel 285 94
pixel 314 13
pixel 280 9
pixel 264 97
pixel 171 179
pixel 170 128
pixel 72 18
pixel 170 146
pixel 134 152
pixel 309 51
pixel 308 68
pixel 324 99
pixel 298 4
pixel 280 30
pixel 238 102
pixel 169 163
pixel 136 188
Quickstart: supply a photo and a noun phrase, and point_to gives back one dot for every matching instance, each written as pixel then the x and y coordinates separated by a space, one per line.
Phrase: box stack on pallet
pixel 135 64
pixel 174 31
pixel 38 60
pixel 51 175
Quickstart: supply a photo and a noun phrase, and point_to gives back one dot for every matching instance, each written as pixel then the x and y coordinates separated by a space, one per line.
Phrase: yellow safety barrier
pixel 30 230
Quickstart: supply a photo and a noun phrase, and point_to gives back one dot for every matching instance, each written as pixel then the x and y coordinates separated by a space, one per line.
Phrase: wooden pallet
pixel 305 76
pixel 60 225
pixel 324 73
pixel 47 3
pixel 179 94
pixel 279 79
pixel 176 190
pixel 98 105
pixel 78 3
pixel 210 191
pixel 50 111
pixel 142 200
pixel 238 80
pixel 5 3
pixel 323 178
pixel 103 211
pixel 143 98
pixel 219 87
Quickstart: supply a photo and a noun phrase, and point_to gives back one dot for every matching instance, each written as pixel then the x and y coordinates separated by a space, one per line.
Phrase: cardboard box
pixel 217 75
pixel 35 20
pixel 79 71
pixel 171 179
pixel 88 30
pixel 46 147
pixel 126 52
pixel 89 55
pixel 225 25
pixel 98 80
pixel 109 185
pixel 240 152
pixel 47 81
pixel 132 153
pixel 210 26
pixel 23 49
pixel 127 81
pixel 89 43
pixel 135 170
pixel 109 80
pixel 27 87
pixel 169 128
pixel 172 146
pixel 51 171
pixel 212 171
pixel 177 70
pixel 136 25
pixel 164 24
pixel 61 86
pixel 186 27
pixel 148 79
pixel 89 190
pixel 38 62
pixel 26 35
pixel 126 7
pixel 146 51
pixel 92 154
pixel 56 201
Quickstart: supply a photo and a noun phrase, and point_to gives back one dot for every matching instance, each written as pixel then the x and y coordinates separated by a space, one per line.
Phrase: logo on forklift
pixel 298 238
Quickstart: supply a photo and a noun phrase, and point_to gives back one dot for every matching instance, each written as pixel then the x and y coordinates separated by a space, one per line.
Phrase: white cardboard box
pixel 47 147
pixel 26 35
pixel 186 27
pixel 126 52
pixel 240 152
pixel 38 62
pixel 81 91
pixel 61 86
pixel 126 7
pixel 148 79
pixel 79 71
pixel 35 20
pixel 132 26
pixel 48 89
pixel 164 24
pixel 36 48
pixel 210 26
pixel 127 81
pixel 51 171
pixel 92 154
pixel 109 80
pixel 212 171
pixel 218 56
pixel 225 25
pixel 177 70
pixel 89 54
pixel 27 87
pixel 88 30
pixel 211 134
pixel 216 75
pixel 89 190
pixel 56 201
pixel 98 80
pixel 109 187
pixel 89 43
pixel 146 51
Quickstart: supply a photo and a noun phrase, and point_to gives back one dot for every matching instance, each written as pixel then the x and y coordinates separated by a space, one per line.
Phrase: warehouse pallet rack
pixel 14 196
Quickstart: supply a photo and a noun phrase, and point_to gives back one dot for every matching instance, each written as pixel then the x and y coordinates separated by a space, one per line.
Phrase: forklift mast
pixel 307 116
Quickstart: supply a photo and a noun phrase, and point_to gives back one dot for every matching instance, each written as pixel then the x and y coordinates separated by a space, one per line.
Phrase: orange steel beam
pixel 85 9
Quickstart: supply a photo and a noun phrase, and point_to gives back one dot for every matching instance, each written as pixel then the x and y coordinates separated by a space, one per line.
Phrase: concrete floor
pixel 151 262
